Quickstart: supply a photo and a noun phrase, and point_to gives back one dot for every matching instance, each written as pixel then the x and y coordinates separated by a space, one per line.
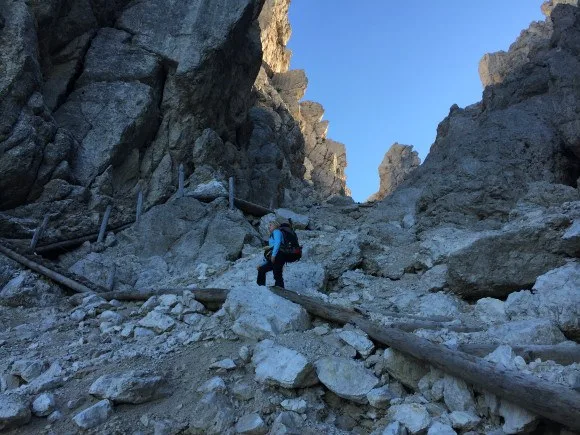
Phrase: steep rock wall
pixel 398 163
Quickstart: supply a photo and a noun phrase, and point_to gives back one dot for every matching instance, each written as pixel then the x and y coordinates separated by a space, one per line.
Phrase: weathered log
pixel 49 273
pixel 76 241
pixel 564 354
pixel 558 403
pixel 206 295
pixel 245 206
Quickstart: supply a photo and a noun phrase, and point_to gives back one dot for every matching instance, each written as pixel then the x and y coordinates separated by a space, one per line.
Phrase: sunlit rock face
pixel 526 129
pixel 398 163
pixel 275 34
pixel 494 67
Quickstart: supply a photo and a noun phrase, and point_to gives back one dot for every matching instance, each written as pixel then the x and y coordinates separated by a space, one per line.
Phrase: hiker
pixel 274 259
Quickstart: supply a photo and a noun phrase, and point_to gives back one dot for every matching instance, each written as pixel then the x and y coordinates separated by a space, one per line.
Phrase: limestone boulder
pixel 129 387
pixel 278 365
pixel 258 313
pixel 346 378
pixel 14 412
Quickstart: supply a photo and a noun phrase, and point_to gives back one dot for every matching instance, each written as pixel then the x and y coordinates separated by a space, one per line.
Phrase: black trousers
pixel 277 267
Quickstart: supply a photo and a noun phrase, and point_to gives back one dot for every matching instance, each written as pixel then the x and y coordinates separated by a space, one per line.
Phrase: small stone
pixel 225 364
pixel 43 405
pixel 167 300
pixel 296 405
pixel 214 384
pixel 245 354
pixel 158 322
pixel 251 424
pixel 242 391
pixel 359 341
pixel 380 397
pixel 94 416
pixel 321 330
pixel 78 315
pixel 464 420
pixel 414 416
pixel 127 330
pixel 149 304
pixel 346 378
pixel 139 332
pixel 111 317
pixel 516 419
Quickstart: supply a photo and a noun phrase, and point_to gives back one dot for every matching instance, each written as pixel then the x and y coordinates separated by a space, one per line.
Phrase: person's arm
pixel 277 235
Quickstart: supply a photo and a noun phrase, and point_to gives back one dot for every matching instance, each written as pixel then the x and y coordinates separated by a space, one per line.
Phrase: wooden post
pixel 111 280
pixel 139 205
pixel 104 224
pixel 38 232
pixel 272 204
pixel 181 181
pixel 231 192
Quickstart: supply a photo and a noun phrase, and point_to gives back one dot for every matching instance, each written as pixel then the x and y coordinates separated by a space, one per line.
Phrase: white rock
pixel 321 330
pixel 94 416
pixel 214 384
pixel 111 317
pixel 359 341
pixel 464 420
pixel 127 330
pixel 259 313
pixel 299 221
pixel 490 310
pixel 158 322
pixel 78 315
pixel 503 356
pixel 457 395
pixel 28 369
pixel 167 300
pixel 43 405
pixel 380 397
pixel 282 366
pixel 245 354
pixel 440 429
pixel 346 378
pixel 516 419
pixel 251 424
pixel 149 304
pixel 296 405
pixel 413 416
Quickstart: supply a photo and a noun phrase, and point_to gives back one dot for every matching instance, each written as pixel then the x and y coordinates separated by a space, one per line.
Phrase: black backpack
pixel 290 247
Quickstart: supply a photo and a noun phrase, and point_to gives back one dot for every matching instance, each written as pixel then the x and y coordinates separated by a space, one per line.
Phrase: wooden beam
pixel 564 354
pixel 49 273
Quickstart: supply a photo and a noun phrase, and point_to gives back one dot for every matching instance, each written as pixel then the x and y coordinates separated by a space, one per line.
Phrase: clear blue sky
pixel 388 71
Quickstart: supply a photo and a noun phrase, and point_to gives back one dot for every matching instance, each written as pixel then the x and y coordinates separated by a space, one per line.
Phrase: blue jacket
pixel 275 241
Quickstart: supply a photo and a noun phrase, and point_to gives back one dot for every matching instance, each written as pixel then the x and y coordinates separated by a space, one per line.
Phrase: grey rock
pixel 282 366
pixel 8 382
pixel 457 395
pixel 394 428
pixel 251 424
pixel 94 415
pixel 258 313
pixel 43 405
pixel 158 322
pixel 14 412
pixel 214 384
pixel 213 414
pixel 359 341
pixel 29 369
pixel 346 378
pixel 414 417
pixel 287 423
pixel 128 387
pixel 405 369
pixel 380 397
pixel 295 405
pixel 464 420
pixel 540 331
